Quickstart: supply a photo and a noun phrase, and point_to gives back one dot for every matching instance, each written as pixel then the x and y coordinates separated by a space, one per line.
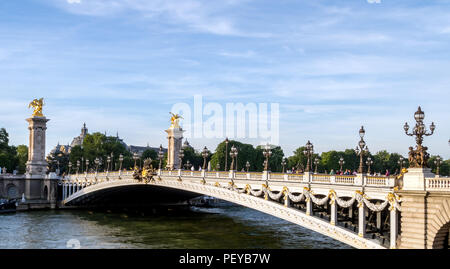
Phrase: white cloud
pixel 198 15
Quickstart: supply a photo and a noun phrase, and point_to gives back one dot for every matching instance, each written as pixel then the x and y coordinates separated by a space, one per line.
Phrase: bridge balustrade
pixel 321 178
pixel 211 174
pixel 255 175
pixel 297 177
pixel 438 183
pixel 345 179
pixel 240 175
pixel 377 180
pixel 277 176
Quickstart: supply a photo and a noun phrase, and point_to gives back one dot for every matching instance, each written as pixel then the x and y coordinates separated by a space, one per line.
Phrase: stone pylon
pixel 36 165
pixel 175 137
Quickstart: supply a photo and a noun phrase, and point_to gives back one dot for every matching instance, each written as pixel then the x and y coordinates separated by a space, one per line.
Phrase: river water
pixel 227 226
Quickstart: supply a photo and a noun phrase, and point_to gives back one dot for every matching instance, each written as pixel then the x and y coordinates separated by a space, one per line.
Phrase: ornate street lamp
pixel 87 165
pixel 96 161
pixel 78 166
pixel 205 155
pixel 437 162
pixel 309 150
pixel 180 157
pixel 226 153
pixel 283 164
pixel 121 161
pixel 316 163
pixel 362 150
pixel 369 162
pixel 418 158
pixel 341 163
pixel 70 167
pixel 233 155
pixel 188 165
pixel 267 153
pixel 112 161
pixel 108 160
pixel 135 158
pixel 401 162
pixel 160 156
pixel 247 165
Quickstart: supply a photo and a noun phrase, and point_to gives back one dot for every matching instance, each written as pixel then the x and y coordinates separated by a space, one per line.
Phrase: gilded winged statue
pixel 175 119
pixel 37 106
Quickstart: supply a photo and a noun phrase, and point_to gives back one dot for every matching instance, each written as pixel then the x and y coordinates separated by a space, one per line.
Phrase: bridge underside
pixel 134 196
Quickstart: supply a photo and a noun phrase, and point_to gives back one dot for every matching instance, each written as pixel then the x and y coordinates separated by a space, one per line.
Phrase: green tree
pixel 8 154
pixel 150 153
pixel 246 152
pixel 298 160
pixel 330 160
pixel 22 156
pixel 274 161
pixel 443 168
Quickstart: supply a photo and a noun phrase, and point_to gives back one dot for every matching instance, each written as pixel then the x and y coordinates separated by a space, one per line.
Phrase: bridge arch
pixel 440 227
pixel 196 188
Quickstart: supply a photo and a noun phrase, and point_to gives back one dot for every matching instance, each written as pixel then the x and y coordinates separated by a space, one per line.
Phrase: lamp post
pixel 283 164
pixel 180 157
pixel 233 155
pixel 112 161
pixel 226 154
pixel 341 163
pixel 437 162
pixel 267 153
pixel 160 156
pixel 218 166
pixel 78 166
pixel 369 162
pixel 401 162
pixel 247 165
pixel 205 155
pixel 188 165
pixel 418 158
pixel 96 161
pixel 316 163
pixel 135 158
pixel 87 165
pixel 121 161
pixel 363 149
pixel 70 167
pixel 308 151
pixel 108 161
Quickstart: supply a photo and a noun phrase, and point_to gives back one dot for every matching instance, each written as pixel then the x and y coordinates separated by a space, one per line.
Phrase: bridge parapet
pixel 437 184
pixel 349 180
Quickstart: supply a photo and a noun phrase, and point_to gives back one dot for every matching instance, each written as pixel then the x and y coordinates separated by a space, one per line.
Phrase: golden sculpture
pixel 37 106
pixel 175 119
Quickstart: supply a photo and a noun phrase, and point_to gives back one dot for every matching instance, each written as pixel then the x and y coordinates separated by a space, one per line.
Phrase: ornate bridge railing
pixel 438 183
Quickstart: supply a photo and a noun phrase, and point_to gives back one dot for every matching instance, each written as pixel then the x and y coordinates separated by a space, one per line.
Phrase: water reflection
pixel 226 227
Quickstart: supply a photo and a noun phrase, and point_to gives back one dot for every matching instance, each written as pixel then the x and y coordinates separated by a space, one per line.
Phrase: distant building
pixel 78 141
pixel 140 150
pixel 186 145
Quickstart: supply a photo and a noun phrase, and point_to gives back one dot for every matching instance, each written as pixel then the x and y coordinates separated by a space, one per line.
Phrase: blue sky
pixel 120 65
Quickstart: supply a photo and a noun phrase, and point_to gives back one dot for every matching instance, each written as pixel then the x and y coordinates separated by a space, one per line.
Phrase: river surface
pixel 227 226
